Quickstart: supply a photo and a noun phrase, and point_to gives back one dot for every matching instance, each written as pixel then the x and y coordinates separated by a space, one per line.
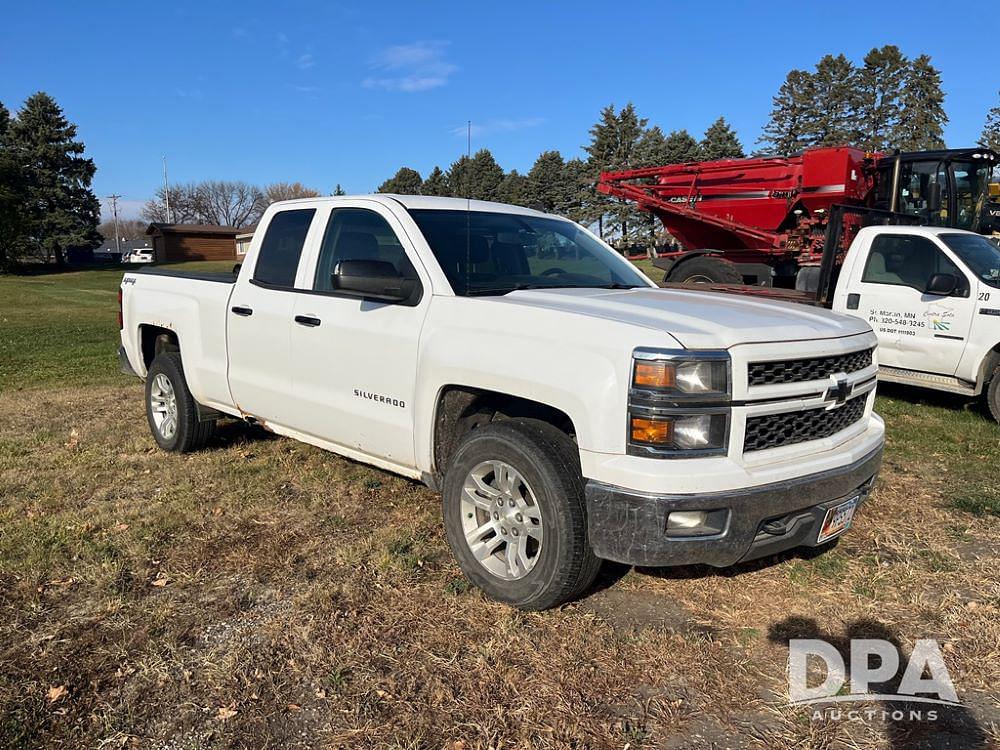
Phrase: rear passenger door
pixel 916 331
pixel 259 319
pixel 354 360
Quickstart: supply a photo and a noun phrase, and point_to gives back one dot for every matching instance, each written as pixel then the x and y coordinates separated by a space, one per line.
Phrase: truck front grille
pixel 804 370
pixel 776 430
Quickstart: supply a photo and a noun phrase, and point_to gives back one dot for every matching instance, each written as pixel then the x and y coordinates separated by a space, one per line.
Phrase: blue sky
pixel 328 93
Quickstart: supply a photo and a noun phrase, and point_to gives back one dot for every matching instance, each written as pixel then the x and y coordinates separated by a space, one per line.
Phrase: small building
pixel 178 242
pixel 243 241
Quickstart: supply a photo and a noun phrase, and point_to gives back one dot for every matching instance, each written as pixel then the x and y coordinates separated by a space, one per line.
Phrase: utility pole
pixel 166 190
pixel 114 211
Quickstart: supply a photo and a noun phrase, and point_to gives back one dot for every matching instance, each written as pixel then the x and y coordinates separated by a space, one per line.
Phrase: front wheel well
pixel 156 339
pixel 990 364
pixel 461 409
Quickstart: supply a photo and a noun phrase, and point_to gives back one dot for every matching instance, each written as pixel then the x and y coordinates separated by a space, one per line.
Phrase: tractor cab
pixel 946 188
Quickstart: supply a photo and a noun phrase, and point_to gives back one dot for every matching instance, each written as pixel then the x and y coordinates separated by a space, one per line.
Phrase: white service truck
pixel 932 296
pixel 567 410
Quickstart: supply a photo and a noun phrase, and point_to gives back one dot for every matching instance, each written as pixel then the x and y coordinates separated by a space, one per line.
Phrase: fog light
pixel 686 519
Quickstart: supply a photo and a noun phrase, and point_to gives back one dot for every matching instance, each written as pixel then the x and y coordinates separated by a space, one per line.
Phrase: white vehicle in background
pixel 567 410
pixel 932 296
pixel 142 255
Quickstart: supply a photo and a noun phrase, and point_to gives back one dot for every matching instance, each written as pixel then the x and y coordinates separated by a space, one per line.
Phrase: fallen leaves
pixel 74 439
pixel 225 713
pixel 160 581
pixel 56 692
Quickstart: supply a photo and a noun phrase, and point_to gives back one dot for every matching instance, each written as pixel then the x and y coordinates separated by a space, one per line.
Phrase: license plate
pixel 838 520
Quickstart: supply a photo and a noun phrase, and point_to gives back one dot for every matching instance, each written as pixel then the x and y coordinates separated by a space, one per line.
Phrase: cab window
pixel 902 260
pixel 278 259
pixel 358 234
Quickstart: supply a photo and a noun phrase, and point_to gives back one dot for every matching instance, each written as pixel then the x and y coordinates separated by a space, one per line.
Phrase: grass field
pixel 263 593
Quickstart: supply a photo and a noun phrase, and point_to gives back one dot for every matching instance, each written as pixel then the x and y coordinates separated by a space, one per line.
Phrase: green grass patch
pixel 61 328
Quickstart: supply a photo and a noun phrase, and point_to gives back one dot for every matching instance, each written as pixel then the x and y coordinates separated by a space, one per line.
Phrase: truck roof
pixel 916 229
pixel 428 202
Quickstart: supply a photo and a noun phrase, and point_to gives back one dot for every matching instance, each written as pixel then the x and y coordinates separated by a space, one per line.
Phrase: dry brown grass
pixel 263 593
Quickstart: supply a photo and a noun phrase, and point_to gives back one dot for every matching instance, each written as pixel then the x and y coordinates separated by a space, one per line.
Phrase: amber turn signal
pixel 652 431
pixel 655 375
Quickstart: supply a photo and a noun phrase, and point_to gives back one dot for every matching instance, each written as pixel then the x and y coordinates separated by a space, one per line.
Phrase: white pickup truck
pixel 932 296
pixel 567 410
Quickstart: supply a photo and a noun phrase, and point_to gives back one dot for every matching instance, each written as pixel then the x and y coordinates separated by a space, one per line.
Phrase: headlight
pixel 682 432
pixel 679 403
pixel 685 375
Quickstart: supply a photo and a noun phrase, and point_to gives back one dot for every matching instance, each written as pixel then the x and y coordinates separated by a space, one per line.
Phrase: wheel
pixel 705 269
pixel 993 395
pixel 170 408
pixel 515 516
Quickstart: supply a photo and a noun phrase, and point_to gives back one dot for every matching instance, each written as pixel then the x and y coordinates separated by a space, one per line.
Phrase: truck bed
pixel 222 277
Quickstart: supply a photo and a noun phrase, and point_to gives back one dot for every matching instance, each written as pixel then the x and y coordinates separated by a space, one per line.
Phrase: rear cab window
pixel 278 258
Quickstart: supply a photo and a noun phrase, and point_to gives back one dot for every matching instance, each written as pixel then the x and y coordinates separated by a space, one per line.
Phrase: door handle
pixel 307 320
pixel 244 311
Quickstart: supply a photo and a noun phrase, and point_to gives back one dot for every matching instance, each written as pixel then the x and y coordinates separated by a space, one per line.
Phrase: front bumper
pixel 631 527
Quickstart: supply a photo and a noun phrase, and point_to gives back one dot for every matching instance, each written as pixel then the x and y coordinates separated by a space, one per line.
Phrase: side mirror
pixel 236 269
pixel 934 197
pixel 942 284
pixel 374 279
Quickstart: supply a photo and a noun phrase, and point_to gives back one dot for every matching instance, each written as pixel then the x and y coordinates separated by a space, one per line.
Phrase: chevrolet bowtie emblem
pixel 838 394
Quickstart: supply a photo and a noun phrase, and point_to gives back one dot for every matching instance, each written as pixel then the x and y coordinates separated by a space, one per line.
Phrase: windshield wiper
pixel 512 288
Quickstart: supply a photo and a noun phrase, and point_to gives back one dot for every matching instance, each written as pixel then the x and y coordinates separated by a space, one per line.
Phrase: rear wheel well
pixel 461 409
pixel 156 339
pixel 990 363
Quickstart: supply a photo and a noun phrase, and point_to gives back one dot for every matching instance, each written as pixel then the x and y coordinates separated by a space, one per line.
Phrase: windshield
pixel 978 253
pixel 485 253
pixel 971 193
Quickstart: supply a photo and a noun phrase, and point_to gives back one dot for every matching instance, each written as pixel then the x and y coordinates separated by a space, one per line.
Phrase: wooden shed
pixel 176 242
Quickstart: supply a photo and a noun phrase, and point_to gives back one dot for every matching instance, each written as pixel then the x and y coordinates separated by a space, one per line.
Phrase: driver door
pixel 916 331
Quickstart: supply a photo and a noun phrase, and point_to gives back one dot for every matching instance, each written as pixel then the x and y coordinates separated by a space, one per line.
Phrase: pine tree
pixel 880 85
pixel 720 142
pixel 651 151
pixel 580 192
pixel 785 132
pixel 614 140
pixel 435 184
pixel 921 125
pixel 406 181
pixel 478 178
pixel 13 198
pixel 547 189
pixel 514 189
pixel 830 118
pixel 681 147
pixel 991 130
pixel 338 190
pixel 62 209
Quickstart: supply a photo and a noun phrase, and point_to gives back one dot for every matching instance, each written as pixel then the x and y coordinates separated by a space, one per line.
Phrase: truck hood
pixel 698 320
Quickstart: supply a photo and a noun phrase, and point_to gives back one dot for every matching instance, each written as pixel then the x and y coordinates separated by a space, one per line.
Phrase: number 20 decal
pixel 984 296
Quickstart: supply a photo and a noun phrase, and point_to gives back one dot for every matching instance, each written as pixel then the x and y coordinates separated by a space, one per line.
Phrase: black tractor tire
pixel 189 432
pixel 993 394
pixel 705 269
pixel 549 463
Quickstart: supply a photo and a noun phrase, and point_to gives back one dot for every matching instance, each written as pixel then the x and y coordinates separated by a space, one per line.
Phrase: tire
pixel 993 395
pixel 166 377
pixel 705 269
pixel 558 563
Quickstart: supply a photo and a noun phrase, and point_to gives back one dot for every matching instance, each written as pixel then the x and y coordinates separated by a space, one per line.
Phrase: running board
pixel 927 380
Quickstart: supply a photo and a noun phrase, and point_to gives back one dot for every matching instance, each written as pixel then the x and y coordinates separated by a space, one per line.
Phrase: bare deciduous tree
pixel 286 191
pixel 224 202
